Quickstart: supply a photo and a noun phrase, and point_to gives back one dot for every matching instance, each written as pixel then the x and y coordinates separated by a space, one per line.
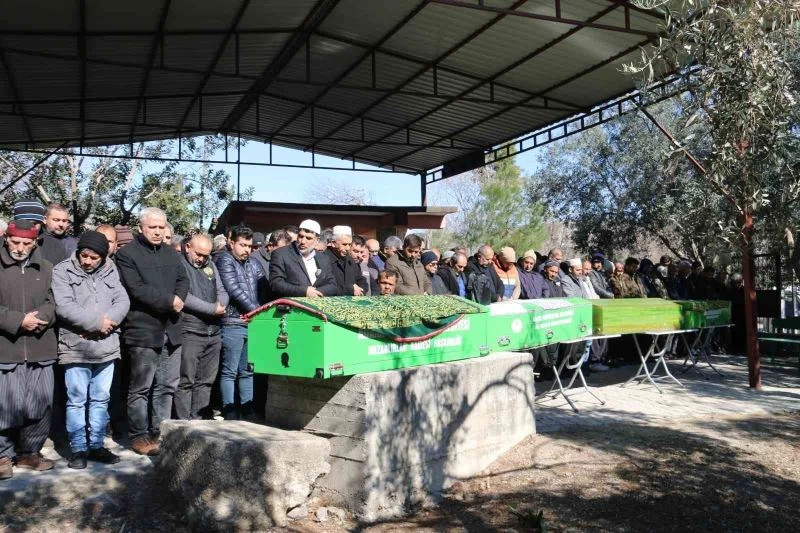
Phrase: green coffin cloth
pixel 398 318
pixel 704 313
pixel 634 315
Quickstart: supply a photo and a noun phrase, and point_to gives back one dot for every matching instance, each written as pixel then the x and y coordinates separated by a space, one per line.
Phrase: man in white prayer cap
pixel 346 272
pixel 299 270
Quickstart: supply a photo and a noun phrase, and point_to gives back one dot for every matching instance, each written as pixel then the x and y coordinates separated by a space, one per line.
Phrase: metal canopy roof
pixel 403 84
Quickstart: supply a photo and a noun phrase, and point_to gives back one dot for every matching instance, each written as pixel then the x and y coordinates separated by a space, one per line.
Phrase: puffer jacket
pixel 246 284
pixel 82 300
pixel 25 287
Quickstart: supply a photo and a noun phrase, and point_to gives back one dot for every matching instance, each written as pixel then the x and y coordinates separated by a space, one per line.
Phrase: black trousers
pixel 26 402
pixel 154 379
pixel 199 367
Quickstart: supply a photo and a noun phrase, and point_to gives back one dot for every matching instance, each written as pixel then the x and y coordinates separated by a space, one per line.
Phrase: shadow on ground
pixel 633 477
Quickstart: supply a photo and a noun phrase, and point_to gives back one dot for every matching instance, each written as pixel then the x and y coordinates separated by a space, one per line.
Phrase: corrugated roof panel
pixel 605 83
pixel 103 81
pixel 164 82
pixel 329 59
pixel 22 15
pixel 56 128
pixel 256 52
pixel 275 14
pixel 218 84
pixel 141 15
pixel 585 49
pixel 458 115
pixel 339 147
pixel 383 152
pixel 274 112
pixel 36 77
pixel 347 18
pixel 427 156
pixel 436 29
pixel 131 49
pixel 164 111
pixel 391 72
pixel 216 109
pixel 297 92
pixel 61 110
pixel 193 52
pixel 503 44
pixel 201 14
pixel 400 109
pixel 351 100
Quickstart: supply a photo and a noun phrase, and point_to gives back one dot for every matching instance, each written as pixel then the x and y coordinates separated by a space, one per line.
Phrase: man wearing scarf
pixel 27 350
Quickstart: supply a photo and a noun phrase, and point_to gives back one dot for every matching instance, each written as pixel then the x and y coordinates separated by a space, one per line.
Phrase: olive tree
pixel 745 57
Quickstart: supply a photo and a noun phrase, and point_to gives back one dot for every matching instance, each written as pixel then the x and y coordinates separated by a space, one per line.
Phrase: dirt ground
pixel 724 474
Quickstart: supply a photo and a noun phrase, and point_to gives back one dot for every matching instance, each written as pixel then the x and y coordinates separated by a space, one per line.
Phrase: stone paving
pixel 701 398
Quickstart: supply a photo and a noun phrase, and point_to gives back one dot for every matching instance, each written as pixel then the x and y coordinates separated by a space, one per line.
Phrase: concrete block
pixel 400 436
pixel 237 475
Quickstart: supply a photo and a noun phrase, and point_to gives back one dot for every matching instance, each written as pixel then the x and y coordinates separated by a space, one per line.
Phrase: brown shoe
pixel 6 468
pixel 34 461
pixel 144 446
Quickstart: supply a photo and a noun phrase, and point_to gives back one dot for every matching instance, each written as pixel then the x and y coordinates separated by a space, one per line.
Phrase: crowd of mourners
pixel 116 330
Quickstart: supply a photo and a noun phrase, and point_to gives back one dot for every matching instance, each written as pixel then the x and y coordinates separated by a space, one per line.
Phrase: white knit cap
pixel 575 262
pixel 311 225
pixel 342 231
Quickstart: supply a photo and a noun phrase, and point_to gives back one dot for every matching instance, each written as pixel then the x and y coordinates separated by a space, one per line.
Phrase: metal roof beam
pixel 126 33
pixel 151 57
pixel 546 18
pixel 217 56
pixel 421 94
pixel 60 151
pixel 369 52
pixel 12 84
pixel 551 88
pixel 315 18
pixel 82 66
pixel 443 68
pixel 426 67
pixel 480 83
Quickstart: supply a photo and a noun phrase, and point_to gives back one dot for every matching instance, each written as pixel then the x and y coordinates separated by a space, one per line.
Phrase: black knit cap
pixel 95 241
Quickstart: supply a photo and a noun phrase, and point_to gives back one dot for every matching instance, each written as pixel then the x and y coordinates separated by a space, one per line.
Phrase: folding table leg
pixel 660 360
pixel 643 367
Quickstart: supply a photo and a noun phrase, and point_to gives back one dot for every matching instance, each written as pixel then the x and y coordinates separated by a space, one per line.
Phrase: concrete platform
pixel 400 437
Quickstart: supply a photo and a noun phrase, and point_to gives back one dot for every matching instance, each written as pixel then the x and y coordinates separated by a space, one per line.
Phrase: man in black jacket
pixel 349 280
pixel 27 350
pixel 246 284
pixel 454 276
pixel 152 333
pixel 55 243
pixel 298 270
pixel 483 283
pixel 204 306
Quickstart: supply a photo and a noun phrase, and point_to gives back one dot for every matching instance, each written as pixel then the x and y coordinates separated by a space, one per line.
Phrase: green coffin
pixel 524 324
pixel 705 313
pixel 634 315
pixel 293 341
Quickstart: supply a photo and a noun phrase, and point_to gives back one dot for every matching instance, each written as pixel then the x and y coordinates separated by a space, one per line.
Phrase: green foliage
pixel 746 90
pixel 618 184
pixel 98 188
pixel 498 212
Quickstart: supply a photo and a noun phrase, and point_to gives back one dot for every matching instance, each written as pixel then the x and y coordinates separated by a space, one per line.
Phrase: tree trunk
pixel 753 356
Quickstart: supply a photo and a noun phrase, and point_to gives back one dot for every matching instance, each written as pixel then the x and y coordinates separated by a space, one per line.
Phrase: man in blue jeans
pixel 90 303
pixel 246 283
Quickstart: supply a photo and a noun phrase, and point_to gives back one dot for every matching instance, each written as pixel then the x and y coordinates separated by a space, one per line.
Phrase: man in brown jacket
pixel 411 275
pixel 27 350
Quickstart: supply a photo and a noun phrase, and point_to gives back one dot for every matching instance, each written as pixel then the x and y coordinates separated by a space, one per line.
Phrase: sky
pixel 296 185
